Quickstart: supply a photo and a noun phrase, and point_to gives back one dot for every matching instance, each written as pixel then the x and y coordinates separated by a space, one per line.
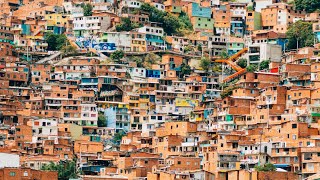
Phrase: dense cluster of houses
pixel 172 118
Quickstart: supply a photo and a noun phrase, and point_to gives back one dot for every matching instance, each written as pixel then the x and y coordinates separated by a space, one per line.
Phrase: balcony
pixel 52 103
pixel 285 153
pixel 144 100
pixel 43 44
pixel 228 159
pixel 250 161
pixel 189 144
pixel 17 28
pixel 227 166
pixel 222 113
pixel 310 168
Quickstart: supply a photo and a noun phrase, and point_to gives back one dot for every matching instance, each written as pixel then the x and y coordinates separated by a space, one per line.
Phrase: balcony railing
pixel 227 159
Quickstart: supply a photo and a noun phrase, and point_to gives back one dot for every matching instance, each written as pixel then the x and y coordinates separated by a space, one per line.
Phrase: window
pixel 294 137
pixel 294 126
pixel 179 162
pixel 12 173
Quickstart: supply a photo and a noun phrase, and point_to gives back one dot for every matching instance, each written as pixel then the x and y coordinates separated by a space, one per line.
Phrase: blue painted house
pixel 151 73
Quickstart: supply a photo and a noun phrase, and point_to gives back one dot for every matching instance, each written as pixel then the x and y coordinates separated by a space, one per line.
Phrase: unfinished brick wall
pixel 277 175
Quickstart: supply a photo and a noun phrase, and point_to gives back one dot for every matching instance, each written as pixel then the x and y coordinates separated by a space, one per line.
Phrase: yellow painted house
pixel 55 19
pixel 186 102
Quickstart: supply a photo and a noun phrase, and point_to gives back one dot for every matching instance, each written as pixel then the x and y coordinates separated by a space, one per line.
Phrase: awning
pixel 281 165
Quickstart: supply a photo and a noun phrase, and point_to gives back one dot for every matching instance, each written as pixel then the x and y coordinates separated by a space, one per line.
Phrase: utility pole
pixel 261 132
pixel 27 52
pixel 222 76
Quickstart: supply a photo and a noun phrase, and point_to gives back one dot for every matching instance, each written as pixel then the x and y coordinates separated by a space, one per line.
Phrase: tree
pixel 66 169
pixel 242 62
pixel 185 21
pixel 199 47
pixel 217 68
pixel 249 8
pixel 55 41
pixel 138 61
pixel 252 68
pixel 118 137
pixel 205 63
pixel 61 41
pixel 302 33
pixel 87 9
pixel 150 59
pixel 187 48
pixel 224 55
pixel 102 121
pixel 264 64
pixel 307 5
pixel 171 24
pixel 185 69
pixel 126 25
pixel 266 167
pixel 117 55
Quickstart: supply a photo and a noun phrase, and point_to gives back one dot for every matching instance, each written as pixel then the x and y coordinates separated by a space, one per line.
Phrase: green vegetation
pixel 68 50
pixel 224 55
pixel 307 5
pixel 302 32
pixel 227 91
pixel 266 167
pixel 66 169
pixel 150 59
pixel 249 8
pixel 138 61
pixel 217 68
pixel 171 24
pixel 117 55
pixel 187 48
pixel 126 25
pixel 87 9
pixel 118 136
pixel 55 41
pixel 185 69
pixel 102 121
pixel 264 64
pixel 252 68
pixel 205 63
pixel 242 62
pixel 199 47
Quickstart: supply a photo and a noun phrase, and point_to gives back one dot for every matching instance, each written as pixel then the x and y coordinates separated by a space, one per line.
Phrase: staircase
pixel 73 43
pixel 50 58
pixel 231 61
pixel 234 76
pixel 238 54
